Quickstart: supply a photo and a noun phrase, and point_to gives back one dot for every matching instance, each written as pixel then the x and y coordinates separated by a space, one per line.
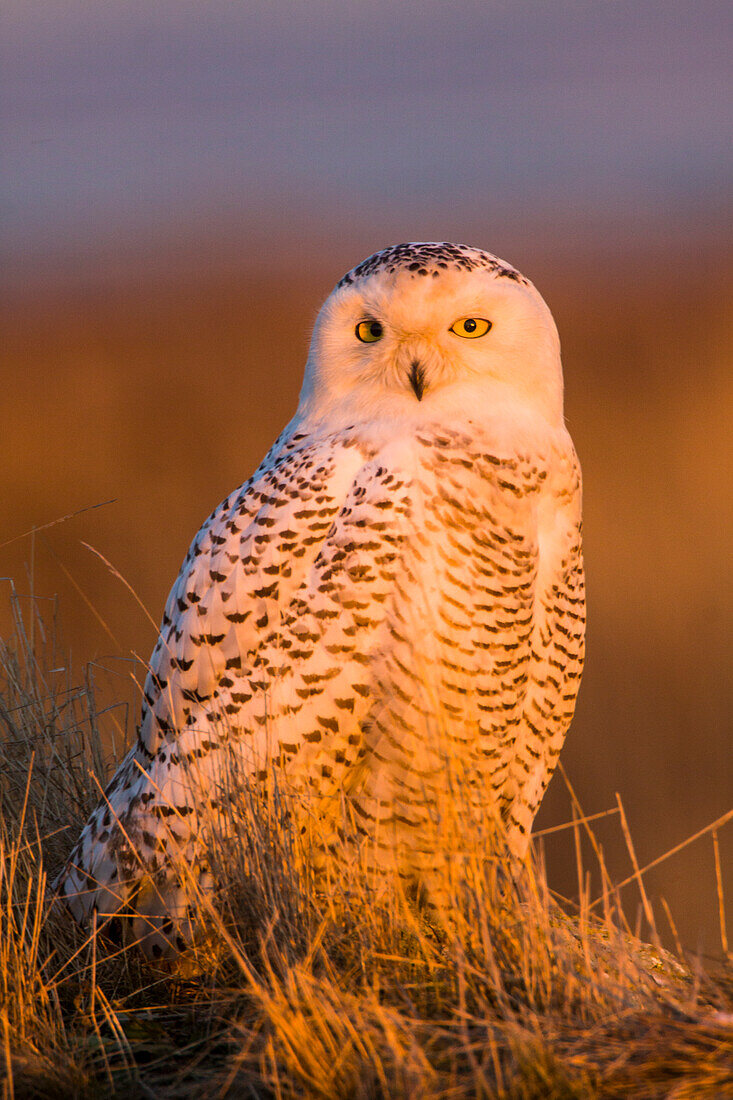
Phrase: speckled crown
pixel 430 258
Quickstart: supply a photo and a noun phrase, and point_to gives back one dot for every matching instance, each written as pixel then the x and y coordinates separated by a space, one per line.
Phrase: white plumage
pixel 402 572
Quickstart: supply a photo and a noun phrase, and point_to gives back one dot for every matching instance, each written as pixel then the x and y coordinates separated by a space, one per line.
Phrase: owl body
pixel 390 608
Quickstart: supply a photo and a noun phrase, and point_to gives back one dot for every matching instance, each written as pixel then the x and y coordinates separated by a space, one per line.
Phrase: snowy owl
pixel 402 571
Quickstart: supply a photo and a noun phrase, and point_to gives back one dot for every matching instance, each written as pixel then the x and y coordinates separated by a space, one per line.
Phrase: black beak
pixel 417 379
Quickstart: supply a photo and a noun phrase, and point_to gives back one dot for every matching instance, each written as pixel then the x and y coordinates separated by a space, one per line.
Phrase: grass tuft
pixel 336 984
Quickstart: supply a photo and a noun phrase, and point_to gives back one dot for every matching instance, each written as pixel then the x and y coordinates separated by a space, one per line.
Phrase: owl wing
pixel 530 621
pixel 263 656
pixel 557 640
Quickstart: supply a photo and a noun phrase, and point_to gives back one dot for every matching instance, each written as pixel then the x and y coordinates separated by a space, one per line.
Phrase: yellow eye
pixel 369 332
pixel 471 327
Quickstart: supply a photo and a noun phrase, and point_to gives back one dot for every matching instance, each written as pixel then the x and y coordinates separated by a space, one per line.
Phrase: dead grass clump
pixel 340 983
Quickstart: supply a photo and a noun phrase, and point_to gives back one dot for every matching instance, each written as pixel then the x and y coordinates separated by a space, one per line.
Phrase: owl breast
pixel 452 673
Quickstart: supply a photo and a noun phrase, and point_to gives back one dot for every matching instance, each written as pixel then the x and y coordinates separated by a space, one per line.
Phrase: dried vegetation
pixel 329 987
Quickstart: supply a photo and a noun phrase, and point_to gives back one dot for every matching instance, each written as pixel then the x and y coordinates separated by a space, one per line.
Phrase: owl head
pixel 427 331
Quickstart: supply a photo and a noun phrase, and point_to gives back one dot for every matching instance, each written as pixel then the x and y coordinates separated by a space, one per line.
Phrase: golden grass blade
pixel 56 522
pixel 574 823
pixel 717 824
pixel 648 912
pixel 721 896
pixel 80 591
pixel 116 573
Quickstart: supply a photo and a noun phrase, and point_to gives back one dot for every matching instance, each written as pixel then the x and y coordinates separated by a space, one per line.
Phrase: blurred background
pixel 182 184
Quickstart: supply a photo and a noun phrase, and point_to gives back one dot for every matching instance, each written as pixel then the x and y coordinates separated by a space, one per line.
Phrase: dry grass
pixel 313 990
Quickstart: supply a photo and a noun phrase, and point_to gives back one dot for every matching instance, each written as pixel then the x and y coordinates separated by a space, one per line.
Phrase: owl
pixel 393 599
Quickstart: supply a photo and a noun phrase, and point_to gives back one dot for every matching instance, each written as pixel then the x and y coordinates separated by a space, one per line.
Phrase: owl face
pixel 421 330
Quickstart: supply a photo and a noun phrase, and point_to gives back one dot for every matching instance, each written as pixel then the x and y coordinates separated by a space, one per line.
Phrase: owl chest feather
pixel 412 565
pixel 453 667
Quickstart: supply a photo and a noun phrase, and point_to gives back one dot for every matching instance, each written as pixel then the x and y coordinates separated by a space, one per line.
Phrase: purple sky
pixel 119 111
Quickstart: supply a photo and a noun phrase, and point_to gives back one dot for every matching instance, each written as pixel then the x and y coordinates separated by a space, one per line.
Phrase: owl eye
pixel 369 332
pixel 471 327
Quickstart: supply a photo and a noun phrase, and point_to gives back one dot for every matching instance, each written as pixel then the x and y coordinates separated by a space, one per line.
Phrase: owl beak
pixel 417 379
